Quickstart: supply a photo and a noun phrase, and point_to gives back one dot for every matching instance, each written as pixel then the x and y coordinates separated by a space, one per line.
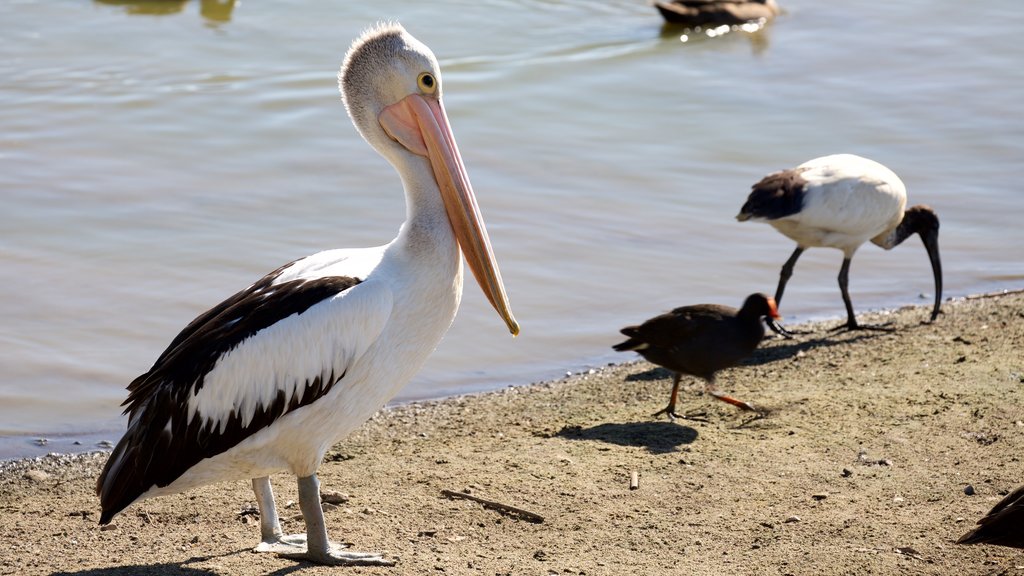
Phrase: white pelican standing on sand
pixel 842 201
pixel 272 377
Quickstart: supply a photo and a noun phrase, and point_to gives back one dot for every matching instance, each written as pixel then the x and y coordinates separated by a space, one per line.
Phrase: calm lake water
pixel 155 157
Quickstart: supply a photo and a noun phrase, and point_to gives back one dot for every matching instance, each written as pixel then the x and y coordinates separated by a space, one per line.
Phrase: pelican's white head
pixel 382 67
pixel 391 85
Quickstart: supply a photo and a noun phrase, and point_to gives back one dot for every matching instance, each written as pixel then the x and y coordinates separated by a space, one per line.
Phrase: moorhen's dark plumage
pixel 1003 525
pixel 701 340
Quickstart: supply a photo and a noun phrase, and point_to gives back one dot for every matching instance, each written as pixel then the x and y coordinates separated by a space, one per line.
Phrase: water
pixel 157 156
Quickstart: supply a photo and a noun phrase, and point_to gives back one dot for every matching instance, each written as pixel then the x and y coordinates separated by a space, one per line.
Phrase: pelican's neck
pixel 427 229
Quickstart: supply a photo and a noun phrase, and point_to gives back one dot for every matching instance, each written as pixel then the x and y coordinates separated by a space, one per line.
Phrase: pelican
pixel 272 377
pixel 842 201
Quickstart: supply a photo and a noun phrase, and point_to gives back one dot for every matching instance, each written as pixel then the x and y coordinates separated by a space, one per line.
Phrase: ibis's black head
pixel 923 221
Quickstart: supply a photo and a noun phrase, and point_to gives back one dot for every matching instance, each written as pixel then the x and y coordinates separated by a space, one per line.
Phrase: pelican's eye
pixel 427 83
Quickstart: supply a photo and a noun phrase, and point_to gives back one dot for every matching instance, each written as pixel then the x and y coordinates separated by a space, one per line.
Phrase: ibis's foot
pixel 283 544
pixel 781 330
pixel 853 325
pixel 670 411
pixel 335 555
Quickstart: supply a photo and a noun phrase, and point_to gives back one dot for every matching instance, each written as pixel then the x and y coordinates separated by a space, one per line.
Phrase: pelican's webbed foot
pixel 335 555
pixel 283 544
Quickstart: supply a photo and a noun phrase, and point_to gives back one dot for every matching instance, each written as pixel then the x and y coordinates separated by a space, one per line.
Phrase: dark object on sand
pixel 701 340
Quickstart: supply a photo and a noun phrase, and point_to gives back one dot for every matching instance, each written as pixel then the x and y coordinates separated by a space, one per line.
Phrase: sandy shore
pixel 861 468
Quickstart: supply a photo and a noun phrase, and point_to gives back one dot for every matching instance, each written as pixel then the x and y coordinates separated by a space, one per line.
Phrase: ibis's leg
pixel 844 280
pixel 272 539
pixel 851 320
pixel 319 549
pixel 787 271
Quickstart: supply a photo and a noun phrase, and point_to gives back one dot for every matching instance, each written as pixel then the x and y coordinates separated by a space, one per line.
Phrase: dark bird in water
pixel 701 340
pixel 842 201
pixel 708 13
pixel 1003 525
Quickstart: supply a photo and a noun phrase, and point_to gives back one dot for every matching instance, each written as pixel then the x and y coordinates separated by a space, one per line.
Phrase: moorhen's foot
pixel 734 401
pixel 758 415
pixel 670 411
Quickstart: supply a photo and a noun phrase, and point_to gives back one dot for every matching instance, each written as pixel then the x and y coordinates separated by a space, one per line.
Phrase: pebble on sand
pixel 37 475
pixel 331 497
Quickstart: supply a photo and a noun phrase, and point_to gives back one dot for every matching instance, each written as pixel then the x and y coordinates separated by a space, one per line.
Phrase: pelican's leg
pixel 272 539
pixel 851 320
pixel 670 410
pixel 318 548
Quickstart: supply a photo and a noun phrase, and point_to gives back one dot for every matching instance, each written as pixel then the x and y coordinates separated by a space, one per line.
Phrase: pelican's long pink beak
pixel 421 125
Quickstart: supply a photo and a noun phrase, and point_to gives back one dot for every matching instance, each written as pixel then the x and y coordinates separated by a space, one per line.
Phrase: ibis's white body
pixel 848 201
pixel 842 201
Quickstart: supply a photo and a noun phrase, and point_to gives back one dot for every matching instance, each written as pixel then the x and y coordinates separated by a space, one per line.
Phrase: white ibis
pixel 700 340
pixel 842 201
pixel 1003 525
pixel 272 377
pixel 695 13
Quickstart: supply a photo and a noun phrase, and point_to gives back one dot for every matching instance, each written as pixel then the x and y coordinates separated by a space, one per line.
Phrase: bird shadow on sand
pixel 158 569
pixel 656 437
pixel 173 568
pixel 773 351
pixel 782 349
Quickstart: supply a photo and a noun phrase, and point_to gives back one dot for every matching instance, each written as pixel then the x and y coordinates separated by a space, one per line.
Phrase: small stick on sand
pixel 634 480
pixel 992 294
pixel 504 508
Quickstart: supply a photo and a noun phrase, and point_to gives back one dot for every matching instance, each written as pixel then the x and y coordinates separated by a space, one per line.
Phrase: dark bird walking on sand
pixel 842 201
pixel 700 340
pixel 716 12
pixel 1003 525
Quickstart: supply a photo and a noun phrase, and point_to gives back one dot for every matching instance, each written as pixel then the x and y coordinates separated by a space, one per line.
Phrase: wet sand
pixel 862 467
